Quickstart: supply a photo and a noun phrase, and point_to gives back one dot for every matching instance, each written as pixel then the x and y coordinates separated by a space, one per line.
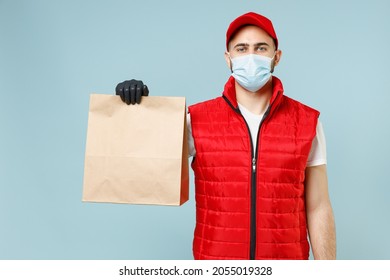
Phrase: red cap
pixel 251 19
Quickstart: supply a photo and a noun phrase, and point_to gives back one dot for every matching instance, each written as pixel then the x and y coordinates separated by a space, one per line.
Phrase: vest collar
pixel 229 92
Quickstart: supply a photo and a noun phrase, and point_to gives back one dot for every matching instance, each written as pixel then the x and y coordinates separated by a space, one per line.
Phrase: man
pixel 259 159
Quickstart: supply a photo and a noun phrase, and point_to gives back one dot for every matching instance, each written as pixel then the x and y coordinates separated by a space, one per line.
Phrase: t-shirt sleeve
pixel 190 138
pixel 317 154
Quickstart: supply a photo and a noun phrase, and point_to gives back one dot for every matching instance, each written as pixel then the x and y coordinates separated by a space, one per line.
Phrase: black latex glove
pixel 131 91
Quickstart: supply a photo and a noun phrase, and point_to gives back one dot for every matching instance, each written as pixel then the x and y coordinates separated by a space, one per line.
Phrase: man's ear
pixel 278 56
pixel 228 60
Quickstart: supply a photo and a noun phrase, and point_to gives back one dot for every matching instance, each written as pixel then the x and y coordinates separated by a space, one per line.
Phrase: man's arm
pixel 320 219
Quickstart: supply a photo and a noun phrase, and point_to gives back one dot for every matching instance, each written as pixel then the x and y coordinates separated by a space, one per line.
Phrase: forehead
pixel 251 34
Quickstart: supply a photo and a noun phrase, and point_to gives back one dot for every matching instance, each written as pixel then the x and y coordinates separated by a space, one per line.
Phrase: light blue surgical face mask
pixel 252 71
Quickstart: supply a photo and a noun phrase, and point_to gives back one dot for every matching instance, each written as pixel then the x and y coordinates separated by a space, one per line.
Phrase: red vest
pixel 250 203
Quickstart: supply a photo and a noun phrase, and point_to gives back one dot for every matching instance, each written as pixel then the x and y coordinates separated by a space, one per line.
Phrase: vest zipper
pixel 252 242
pixel 254 154
pixel 253 225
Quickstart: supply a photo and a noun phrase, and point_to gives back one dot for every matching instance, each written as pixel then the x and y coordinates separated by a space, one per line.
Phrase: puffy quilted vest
pixel 250 203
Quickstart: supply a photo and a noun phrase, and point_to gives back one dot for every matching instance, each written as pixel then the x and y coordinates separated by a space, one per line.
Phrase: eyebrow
pixel 247 45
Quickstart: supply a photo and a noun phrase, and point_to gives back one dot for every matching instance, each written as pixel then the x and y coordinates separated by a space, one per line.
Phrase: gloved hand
pixel 131 91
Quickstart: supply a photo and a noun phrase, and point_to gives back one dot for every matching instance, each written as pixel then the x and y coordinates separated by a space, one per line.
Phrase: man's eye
pixel 262 49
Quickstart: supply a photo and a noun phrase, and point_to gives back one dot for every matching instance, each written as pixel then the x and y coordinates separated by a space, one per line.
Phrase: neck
pixel 255 102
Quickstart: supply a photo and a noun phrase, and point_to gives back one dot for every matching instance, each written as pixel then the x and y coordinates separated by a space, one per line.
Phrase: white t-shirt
pixel 317 154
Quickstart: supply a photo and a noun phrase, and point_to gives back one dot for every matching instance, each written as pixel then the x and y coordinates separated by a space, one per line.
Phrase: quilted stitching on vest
pixel 223 169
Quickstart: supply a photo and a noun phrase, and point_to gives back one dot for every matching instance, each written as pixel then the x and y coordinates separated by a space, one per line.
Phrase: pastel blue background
pixel 53 54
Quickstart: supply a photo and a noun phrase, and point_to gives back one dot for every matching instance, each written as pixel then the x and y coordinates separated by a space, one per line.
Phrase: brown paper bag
pixel 136 154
